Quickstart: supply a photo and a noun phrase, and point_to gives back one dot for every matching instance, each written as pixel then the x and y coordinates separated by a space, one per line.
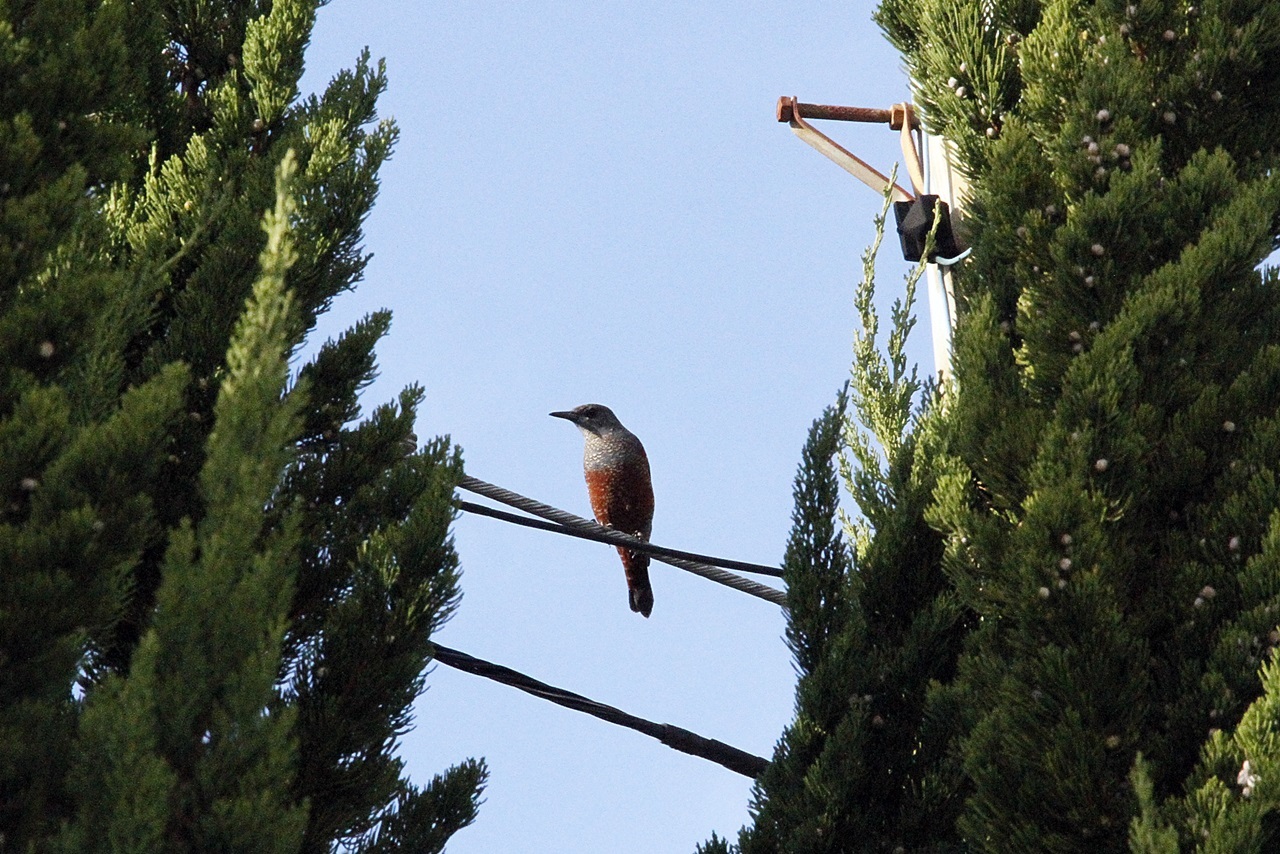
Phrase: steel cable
pixel 572 522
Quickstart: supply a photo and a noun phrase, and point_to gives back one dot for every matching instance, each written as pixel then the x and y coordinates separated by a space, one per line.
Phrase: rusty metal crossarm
pixel 901 117
pixel 944 183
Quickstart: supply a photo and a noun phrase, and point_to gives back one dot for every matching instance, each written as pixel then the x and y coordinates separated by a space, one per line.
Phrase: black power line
pixel 730 757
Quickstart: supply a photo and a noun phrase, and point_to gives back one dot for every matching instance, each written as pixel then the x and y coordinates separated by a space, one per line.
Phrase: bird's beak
pixel 568 416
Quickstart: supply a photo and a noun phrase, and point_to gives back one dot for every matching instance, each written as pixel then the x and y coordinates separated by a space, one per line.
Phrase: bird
pixel 620 489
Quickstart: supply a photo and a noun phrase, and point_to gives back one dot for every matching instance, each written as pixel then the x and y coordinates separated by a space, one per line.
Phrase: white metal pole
pixel 942 180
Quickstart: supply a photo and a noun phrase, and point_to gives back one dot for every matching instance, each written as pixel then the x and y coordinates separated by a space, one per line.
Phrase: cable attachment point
pixel 915 210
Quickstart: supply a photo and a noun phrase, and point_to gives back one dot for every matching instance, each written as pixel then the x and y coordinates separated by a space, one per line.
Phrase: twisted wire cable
pixel 609 535
pixel 616 538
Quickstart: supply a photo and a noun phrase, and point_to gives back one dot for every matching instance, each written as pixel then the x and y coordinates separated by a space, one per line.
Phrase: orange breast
pixel 622 497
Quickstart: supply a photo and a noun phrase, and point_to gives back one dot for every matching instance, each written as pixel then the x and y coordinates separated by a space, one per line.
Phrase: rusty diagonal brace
pixel 900 117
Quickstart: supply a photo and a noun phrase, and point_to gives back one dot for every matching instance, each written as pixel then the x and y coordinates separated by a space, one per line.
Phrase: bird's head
pixel 592 418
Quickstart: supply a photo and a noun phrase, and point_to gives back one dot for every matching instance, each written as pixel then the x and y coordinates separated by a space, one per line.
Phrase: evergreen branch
pixel 209 663
pixel 819 570
pixel 213 213
pixel 166 524
pixel 882 389
pixel 422 820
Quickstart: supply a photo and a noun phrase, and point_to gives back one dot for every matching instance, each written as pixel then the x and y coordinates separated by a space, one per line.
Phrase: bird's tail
pixel 639 591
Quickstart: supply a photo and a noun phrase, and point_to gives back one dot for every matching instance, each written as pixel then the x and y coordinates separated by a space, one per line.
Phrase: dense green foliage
pixel 1057 630
pixel 217 586
pixel 868 644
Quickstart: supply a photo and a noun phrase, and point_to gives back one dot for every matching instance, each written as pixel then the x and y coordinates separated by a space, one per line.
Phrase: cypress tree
pixel 872 622
pixel 1103 472
pixel 218 583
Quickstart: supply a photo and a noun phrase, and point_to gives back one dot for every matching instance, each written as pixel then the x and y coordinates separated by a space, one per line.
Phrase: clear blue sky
pixel 592 202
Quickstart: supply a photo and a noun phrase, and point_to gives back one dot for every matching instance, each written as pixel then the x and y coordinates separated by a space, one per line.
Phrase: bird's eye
pixel 591 411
